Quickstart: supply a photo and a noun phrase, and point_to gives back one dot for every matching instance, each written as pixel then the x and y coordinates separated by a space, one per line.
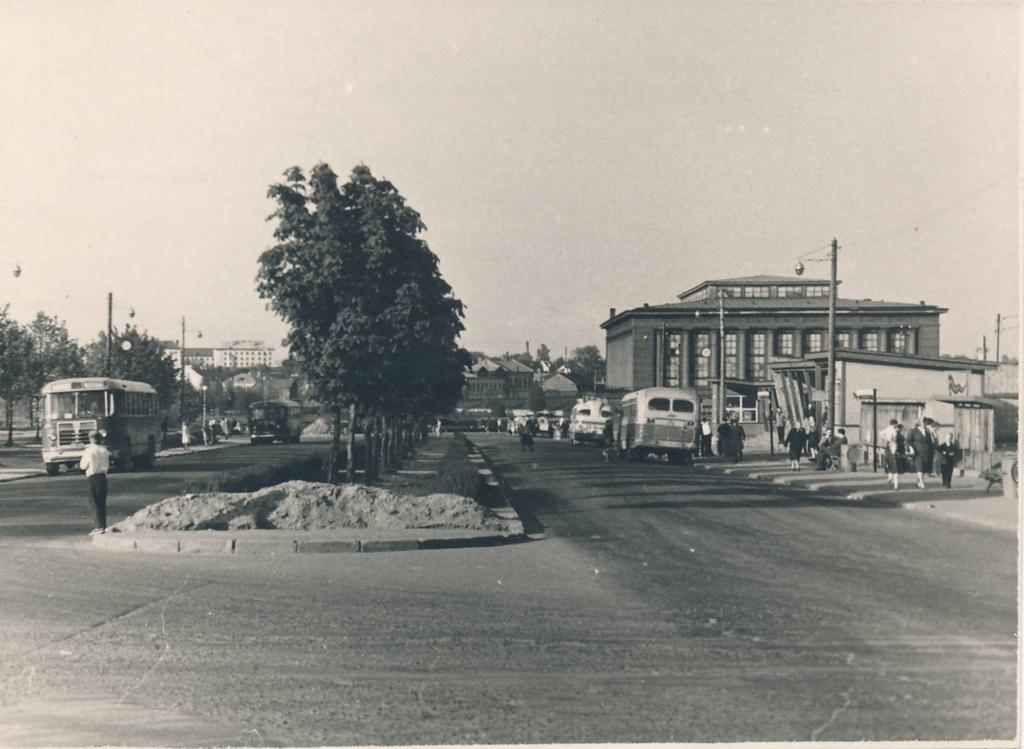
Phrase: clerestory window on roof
pixel 756 292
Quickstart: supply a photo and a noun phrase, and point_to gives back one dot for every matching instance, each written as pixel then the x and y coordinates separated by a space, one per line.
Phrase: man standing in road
pixel 705 437
pixel 96 462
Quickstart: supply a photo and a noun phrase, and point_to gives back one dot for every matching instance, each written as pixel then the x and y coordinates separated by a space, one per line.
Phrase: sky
pixel 566 157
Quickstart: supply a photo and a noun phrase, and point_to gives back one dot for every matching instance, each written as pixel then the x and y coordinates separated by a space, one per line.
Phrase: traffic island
pixel 311 517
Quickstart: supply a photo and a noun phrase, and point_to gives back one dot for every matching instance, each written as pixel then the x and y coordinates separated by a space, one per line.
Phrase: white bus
pixel 663 421
pixel 126 413
pixel 587 419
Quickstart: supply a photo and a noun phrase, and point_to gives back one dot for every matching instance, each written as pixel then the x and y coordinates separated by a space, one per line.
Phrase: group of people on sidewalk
pixel 731 438
pixel 921 450
pixel 805 438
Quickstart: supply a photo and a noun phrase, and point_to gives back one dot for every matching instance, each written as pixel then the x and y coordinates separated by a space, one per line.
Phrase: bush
pixel 253 478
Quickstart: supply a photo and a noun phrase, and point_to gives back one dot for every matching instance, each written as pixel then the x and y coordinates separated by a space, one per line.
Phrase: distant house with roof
pixel 493 378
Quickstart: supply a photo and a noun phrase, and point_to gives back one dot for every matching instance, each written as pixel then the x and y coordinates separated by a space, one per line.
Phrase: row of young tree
pixel 372 322
pixel 43 350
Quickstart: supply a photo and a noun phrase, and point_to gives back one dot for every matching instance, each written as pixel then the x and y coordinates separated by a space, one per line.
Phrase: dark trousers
pixel 947 474
pixel 98 497
pixel 705 445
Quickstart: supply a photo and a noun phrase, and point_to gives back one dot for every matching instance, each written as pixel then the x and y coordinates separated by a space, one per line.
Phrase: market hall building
pixel 774 345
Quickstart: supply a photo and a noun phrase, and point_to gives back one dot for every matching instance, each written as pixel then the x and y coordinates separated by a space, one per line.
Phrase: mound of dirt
pixel 318 428
pixel 304 505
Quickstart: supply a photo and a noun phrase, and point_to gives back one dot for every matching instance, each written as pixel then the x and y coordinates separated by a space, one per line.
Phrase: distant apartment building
pixel 234 354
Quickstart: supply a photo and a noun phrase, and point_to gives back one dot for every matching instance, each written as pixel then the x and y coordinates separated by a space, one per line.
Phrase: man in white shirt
pixel 96 462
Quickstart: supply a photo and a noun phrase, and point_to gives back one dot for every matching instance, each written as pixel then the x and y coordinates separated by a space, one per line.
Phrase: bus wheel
pixel 127 463
pixel 150 460
pixel 52 469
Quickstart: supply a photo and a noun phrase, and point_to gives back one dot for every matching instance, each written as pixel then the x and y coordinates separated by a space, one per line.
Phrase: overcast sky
pixel 567 157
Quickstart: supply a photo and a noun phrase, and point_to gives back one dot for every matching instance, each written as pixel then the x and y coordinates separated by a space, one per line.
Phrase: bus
pixel 587 419
pixel 126 413
pixel 275 421
pixel 660 420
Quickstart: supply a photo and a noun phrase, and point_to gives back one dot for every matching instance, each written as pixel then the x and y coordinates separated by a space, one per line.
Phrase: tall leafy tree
pixel 371 319
pixel 15 359
pixel 587 361
pixel 135 355
pixel 54 355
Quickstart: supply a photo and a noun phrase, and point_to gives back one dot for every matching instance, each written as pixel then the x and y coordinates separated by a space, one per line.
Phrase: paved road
pixel 663 606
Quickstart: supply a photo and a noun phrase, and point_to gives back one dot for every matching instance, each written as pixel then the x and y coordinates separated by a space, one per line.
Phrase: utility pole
pixel 721 356
pixel 110 332
pixel 182 363
pixel 999 326
pixel 984 348
pixel 832 421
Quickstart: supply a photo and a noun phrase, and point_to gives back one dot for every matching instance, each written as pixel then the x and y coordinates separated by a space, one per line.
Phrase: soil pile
pixel 318 428
pixel 304 505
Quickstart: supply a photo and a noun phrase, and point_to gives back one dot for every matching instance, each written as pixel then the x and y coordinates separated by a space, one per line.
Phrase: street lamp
pixel 834 262
pixel 205 388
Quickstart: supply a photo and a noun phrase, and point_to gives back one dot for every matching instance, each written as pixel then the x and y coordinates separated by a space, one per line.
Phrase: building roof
pixel 884 357
pixel 758 281
pixel 514 366
pixel 559 383
pixel 744 305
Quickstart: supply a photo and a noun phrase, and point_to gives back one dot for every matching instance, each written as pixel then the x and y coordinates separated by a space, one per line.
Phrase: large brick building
pixel 768 319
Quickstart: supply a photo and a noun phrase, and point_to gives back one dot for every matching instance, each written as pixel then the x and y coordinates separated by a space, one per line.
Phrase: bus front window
pixel 91 403
pixel 60 405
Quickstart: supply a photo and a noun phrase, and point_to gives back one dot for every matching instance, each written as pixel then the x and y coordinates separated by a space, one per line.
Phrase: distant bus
pixel 587 419
pixel 659 420
pixel 126 413
pixel 275 421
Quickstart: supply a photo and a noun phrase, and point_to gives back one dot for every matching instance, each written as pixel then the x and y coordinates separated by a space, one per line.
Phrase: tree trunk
pixel 368 437
pixel 350 465
pixel 10 422
pixel 385 447
pixel 332 470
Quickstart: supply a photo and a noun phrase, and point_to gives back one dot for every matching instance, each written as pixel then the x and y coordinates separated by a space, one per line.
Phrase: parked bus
pixel 660 420
pixel 126 413
pixel 275 421
pixel 587 419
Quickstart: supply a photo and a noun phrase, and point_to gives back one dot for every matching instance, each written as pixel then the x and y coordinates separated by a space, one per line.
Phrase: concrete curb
pixel 491 479
pixel 296 542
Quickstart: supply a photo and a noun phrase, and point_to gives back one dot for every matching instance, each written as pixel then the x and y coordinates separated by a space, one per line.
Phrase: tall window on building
pixel 701 364
pixel 757 356
pixel 869 341
pixel 673 348
pixel 784 344
pixel 844 340
pixel 899 341
pixel 815 342
pixel 732 357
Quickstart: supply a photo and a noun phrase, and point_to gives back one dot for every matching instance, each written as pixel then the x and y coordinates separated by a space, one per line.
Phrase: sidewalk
pixel 348 540
pixel 967 501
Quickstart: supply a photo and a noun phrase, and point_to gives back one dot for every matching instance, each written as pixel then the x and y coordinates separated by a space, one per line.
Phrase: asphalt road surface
pixel 662 606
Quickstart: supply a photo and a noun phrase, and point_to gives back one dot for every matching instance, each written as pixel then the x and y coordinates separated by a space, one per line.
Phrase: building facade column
pixel 685 377
pixel 741 354
pixel 715 343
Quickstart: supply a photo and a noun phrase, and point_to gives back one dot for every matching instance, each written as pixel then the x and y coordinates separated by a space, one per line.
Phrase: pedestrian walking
pixel 705 437
pixel 525 437
pixel 813 436
pixel 895 454
pixel 186 437
pixel 723 435
pixel 949 454
pixel 796 440
pixel 781 424
pixel 920 445
pixel 735 439
pixel 608 441
pixel 96 463
pixel 932 428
